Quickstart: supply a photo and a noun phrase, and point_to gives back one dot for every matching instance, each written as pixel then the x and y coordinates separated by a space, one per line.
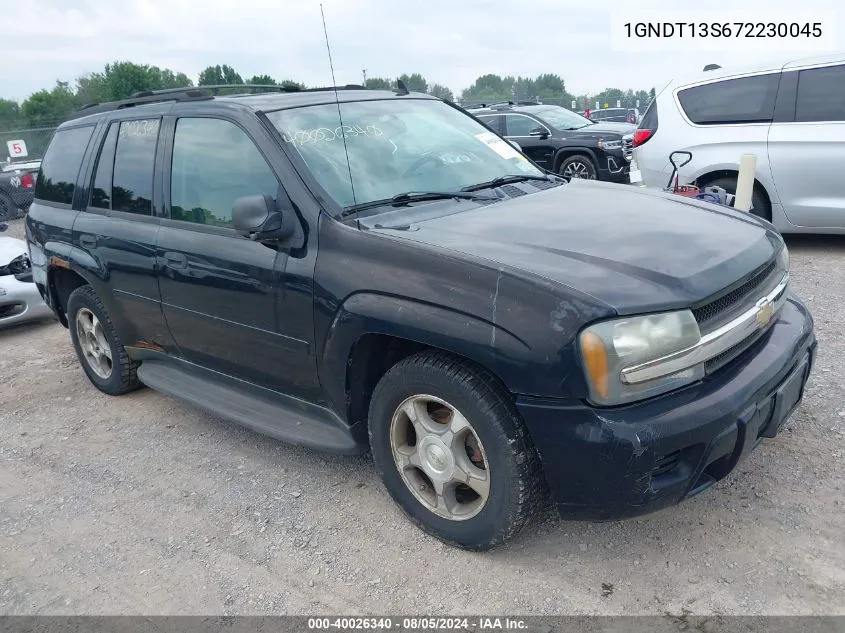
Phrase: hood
pixel 632 249
pixel 10 248
pixel 609 127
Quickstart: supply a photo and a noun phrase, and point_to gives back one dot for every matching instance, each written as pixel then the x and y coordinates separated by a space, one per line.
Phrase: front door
pixel 807 155
pixel 220 291
pixel 519 128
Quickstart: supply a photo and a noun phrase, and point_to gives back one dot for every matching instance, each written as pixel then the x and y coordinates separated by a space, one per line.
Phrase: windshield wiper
pixel 503 180
pixel 403 199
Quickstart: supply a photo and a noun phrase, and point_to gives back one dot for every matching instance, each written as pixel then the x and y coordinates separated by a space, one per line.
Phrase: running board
pixel 281 417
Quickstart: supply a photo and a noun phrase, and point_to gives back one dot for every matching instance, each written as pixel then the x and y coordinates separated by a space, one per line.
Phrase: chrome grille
pixel 709 312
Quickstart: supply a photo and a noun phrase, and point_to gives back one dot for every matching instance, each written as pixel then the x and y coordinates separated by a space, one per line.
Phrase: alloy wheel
pixel 92 340
pixel 440 457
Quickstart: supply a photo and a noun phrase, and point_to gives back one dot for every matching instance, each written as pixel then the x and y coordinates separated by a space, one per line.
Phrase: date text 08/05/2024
pixel 416 623
pixel 724 29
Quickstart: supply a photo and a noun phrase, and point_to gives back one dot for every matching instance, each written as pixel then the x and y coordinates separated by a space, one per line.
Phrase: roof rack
pixel 191 93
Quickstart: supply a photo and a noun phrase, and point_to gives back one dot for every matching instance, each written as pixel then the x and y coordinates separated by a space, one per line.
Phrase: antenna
pixel 337 101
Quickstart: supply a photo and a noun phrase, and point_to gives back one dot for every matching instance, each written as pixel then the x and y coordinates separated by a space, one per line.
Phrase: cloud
pixel 448 42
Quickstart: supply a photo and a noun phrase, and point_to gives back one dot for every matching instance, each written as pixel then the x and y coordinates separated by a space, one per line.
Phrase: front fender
pixel 480 340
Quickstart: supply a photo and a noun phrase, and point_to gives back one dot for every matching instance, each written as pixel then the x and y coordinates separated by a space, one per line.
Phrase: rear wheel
pixel 98 346
pixel 759 204
pixel 577 166
pixel 453 452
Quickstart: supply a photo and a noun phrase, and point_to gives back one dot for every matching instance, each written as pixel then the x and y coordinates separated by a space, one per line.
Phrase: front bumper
pixel 613 463
pixel 614 168
pixel 20 301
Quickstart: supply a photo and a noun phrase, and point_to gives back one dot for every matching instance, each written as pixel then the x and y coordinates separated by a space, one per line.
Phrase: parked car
pixel 423 291
pixel 619 115
pixel 19 297
pixel 791 116
pixel 17 184
pixel 562 141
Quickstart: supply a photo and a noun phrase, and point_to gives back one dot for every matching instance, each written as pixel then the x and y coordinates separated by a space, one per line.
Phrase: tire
pixel 495 447
pixel 8 210
pixel 759 204
pixel 115 376
pixel 577 164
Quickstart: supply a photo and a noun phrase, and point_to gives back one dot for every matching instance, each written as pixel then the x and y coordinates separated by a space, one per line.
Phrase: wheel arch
pixel 370 333
pixel 61 282
pixel 710 176
pixel 565 152
pixel 373 355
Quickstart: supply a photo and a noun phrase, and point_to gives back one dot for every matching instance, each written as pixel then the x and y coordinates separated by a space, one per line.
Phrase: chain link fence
pixel 35 138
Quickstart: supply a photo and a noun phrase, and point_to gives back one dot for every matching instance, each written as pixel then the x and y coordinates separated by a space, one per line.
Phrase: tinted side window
pixel 60 167
pixel 494 121
pixel 101 191
pixel 134 160
pixel 649 120
pixel 519 125
pixel 214 164
pixel 744 100
pixel 821 94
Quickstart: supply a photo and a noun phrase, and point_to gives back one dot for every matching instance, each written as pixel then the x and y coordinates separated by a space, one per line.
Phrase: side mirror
pixel 539 132
pixel 516 145
pixel 259 218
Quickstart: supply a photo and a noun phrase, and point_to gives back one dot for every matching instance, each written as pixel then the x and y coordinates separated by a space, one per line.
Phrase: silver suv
pixel 792 116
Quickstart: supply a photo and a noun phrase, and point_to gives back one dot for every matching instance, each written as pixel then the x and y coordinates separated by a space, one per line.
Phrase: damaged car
pixel 19 297
pixel 408 283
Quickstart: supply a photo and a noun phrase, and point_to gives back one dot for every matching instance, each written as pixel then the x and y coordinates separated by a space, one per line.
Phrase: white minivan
pixel 791 116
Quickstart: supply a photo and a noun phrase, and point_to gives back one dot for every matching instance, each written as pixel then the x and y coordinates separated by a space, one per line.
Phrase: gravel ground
pixel 144 505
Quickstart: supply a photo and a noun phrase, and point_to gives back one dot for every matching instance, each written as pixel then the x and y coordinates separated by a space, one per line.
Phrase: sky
pixel 450 42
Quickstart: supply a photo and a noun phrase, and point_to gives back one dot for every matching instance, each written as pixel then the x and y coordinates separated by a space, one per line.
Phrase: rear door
pixel 118 226
pixel 518 127
pixel 807 149
pixel 221 291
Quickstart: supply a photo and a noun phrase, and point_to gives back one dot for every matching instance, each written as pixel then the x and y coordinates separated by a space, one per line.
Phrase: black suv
pixel 562 141
pixel 407 282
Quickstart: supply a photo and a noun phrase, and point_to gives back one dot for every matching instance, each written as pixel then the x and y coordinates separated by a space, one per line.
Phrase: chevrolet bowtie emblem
pixel 765 310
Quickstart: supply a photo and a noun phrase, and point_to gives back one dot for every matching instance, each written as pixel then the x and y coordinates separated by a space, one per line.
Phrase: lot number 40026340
pixel 17 149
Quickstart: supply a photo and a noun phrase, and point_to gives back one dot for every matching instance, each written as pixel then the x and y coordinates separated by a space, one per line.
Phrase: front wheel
pixel 577 166
pixel 453 452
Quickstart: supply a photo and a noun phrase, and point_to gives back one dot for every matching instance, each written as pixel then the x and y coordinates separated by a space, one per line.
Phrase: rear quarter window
pixel 60 168
pixel 743 100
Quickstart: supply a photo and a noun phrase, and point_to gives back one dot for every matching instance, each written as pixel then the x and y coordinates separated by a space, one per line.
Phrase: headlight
pixel 783 259
pixel 610 145
pixel 611 346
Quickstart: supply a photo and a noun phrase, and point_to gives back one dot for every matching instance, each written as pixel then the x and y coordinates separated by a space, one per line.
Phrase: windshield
pixel 396 146
pixel 561 118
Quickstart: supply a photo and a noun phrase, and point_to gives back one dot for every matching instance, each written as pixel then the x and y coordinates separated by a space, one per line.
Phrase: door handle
pixel 176 259
pixel 88 241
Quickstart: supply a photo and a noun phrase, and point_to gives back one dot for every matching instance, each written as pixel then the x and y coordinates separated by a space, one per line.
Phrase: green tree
pixel 265 80
pixel 487 89
pixel 290 83
pixel 49 107
pixel 643 97
pixel 10 113
pixel 379 83
pixel 219 75
pixel 441 92
pixel 651 94
pixel 414 82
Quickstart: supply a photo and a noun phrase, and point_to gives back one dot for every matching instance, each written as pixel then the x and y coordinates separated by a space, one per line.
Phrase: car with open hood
pixel 355 270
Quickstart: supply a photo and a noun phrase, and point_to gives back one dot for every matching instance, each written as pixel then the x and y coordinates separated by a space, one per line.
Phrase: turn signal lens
pixel 595 362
